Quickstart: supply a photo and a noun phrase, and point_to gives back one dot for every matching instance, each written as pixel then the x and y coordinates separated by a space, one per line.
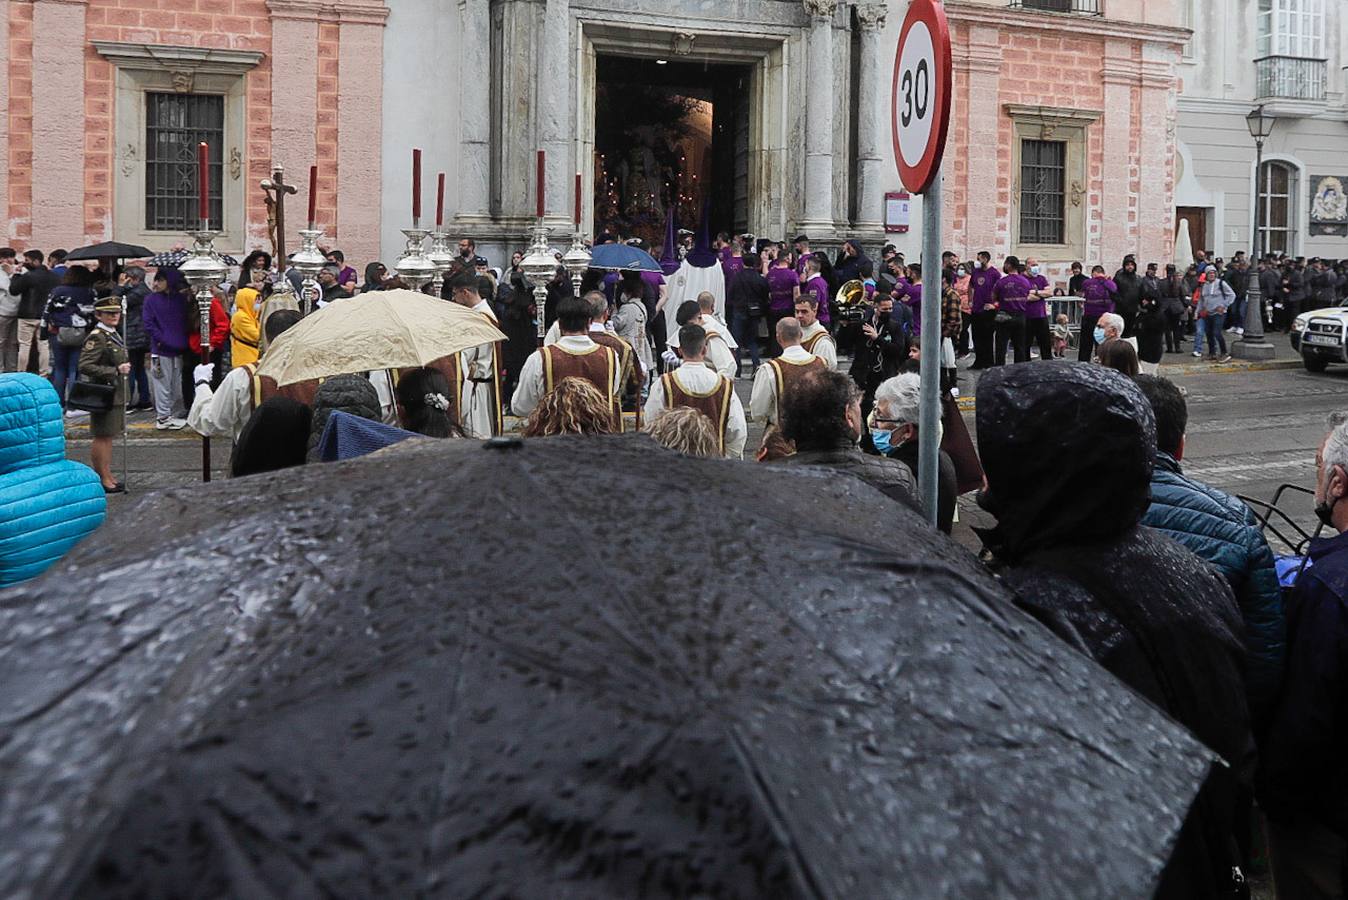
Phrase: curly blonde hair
pixel 574 406
pixel 686 430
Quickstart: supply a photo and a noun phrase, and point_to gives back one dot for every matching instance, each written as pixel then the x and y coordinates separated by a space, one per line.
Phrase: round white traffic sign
pixel 920 101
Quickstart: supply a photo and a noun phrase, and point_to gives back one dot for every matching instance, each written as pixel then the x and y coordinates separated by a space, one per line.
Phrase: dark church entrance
pixel 670 133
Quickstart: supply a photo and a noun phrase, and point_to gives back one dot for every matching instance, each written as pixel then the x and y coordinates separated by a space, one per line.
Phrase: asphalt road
pixel 1249 432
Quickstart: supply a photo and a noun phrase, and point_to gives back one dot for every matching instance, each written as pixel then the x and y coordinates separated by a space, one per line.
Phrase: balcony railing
pixel 1080 7
pixel 1290 78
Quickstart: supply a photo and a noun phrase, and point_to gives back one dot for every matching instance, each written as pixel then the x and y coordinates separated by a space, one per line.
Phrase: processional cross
pixel 276 189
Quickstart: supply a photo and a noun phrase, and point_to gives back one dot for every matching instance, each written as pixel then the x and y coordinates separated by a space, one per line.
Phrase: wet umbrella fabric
pixel 109 250
pixel 349 690
pixel 614 257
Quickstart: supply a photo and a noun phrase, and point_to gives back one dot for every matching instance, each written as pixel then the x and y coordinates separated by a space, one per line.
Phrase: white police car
pixel 1321 337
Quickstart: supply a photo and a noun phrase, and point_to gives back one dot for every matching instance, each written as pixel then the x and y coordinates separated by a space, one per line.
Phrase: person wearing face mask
pixel 1036 310
pixel 963 343
pixel 893 434
pixel 983 312
pixel 880 352
pixel 1011 296
pixel 821 416
pixel 1305 760
pixel 1098 293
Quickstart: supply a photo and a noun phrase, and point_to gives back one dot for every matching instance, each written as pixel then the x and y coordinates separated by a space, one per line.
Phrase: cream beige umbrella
pixel 379 330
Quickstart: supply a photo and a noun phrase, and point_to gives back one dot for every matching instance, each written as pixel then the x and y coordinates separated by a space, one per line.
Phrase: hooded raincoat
pixel 1068 451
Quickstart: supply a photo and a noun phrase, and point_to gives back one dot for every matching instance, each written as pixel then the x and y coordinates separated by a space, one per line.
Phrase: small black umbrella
pixel 455 669
pixel 172 259
pixel 109 250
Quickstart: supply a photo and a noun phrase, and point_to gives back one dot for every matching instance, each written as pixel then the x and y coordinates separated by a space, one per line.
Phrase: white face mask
pixel 978 264
pixel 1034 270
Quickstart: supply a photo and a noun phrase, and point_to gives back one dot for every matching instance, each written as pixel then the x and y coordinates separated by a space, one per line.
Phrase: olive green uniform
pixel 103 352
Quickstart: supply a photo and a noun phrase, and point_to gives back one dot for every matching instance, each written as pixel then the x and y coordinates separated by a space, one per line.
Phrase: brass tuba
pixel 849 299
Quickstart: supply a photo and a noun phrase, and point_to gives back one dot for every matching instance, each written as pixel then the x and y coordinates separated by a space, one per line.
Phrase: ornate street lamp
pixel 1252 344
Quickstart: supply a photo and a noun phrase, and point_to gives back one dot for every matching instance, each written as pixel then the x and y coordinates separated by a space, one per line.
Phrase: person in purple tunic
pixel 783 289
pixel 1036 310
pixel 802 253
pixel 1011 296
pixel 910 292
pixel 732 262
pixel 814 281
pixel 1098 292
pixel 982 282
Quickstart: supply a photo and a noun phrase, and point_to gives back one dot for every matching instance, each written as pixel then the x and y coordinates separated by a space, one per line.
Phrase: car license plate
pixel 1324 339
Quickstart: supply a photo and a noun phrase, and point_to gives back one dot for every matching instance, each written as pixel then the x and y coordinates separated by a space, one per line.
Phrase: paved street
pixel 1249 432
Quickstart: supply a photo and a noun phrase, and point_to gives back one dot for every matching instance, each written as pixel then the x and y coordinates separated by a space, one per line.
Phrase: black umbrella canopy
pixel 109 250
pixel 455 670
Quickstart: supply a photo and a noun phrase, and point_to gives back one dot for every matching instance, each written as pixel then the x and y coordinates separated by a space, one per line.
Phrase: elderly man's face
pixel 327 278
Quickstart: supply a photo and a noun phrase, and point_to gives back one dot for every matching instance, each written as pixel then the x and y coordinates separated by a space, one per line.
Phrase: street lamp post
pixel 1252 344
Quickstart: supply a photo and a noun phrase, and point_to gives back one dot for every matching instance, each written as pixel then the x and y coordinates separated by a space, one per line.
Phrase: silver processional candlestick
pixel 309 261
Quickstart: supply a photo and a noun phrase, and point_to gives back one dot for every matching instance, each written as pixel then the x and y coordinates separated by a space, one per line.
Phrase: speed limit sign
pixel 920 105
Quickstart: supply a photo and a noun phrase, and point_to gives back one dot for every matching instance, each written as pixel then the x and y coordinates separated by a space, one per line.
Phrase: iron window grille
pixel 1079 7
pixel 1043 176
pixel 1291 78
pixel 174 125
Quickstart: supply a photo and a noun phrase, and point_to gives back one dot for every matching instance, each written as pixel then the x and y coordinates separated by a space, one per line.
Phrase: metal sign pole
pixel 929 426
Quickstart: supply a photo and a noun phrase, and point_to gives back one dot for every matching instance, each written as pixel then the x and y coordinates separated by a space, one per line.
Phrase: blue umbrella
pixel 621 256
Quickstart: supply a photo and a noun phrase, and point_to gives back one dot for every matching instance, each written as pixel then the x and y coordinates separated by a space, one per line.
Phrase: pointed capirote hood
pixel 702 256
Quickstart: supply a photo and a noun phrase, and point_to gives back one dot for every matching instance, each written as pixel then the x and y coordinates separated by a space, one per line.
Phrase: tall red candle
pixel 578 184
pixel 313 196
pixel 440 200
pixel 416 184
pixel 203 185
pixel 539 198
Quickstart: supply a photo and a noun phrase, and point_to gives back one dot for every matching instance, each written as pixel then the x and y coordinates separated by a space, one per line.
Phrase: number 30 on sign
pixel 921 96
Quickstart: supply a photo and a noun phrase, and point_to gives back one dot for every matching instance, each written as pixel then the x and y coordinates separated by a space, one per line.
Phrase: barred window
pixel 174 125
pixel 1043 167
pixel 1277 208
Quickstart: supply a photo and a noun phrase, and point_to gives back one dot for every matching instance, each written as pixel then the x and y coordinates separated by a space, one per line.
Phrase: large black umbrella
pixel 109 250
pixel 451 669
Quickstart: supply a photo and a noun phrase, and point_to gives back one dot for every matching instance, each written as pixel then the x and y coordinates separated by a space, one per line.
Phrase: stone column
pixel 871 128
pixel 294 99
pixel 58 150
pixel 474 175
pixel 360 80
pixel 818 217
pixel 1156 210
pixel 983 121
pixel 554 110
pixel 1120 76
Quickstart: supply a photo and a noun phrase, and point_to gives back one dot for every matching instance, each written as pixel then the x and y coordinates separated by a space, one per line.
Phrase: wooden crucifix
pixel 276 189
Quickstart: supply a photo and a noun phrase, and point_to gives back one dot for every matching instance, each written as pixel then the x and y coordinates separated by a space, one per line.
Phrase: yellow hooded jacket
pixel 244 331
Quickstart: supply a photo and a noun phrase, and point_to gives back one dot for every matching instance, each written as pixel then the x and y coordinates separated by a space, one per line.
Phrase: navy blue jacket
pixel 1221 530
pixel 1305 761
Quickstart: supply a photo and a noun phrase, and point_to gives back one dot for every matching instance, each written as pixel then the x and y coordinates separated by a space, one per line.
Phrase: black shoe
pixel 117 488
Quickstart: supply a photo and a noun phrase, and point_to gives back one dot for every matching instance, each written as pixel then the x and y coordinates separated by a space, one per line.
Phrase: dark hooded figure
pixel 1068 451
pixel 351 394
pixel 1129 298
pixel 276 437
pixel 847 267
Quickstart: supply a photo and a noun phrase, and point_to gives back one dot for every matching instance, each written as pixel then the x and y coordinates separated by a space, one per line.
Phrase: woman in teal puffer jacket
pixel 48 503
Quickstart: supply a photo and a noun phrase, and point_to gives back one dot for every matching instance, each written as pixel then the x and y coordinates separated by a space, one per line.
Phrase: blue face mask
pixel 1034 270
pixel 1099 335
pixel 881 440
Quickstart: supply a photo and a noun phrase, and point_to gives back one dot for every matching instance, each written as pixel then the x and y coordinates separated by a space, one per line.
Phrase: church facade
pixel 774 114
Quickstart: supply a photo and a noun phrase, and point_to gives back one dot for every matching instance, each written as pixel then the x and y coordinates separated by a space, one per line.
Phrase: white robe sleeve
pixel 223 412
pixel 554 334
pixel 826 350
pixel 721 357
pixel 763 399
pixel 655 401
pixel 736 430
pixel 530 389
pixel 388 405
